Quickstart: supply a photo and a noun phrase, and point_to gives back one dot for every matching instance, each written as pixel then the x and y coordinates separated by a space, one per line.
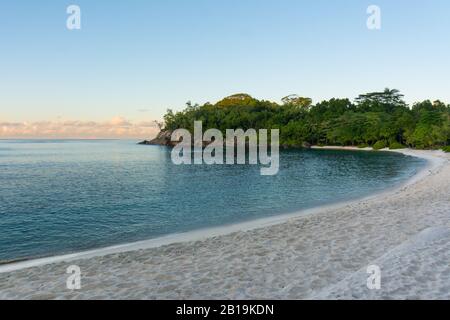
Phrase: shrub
pixel 396 145
pixel 446 149
pixel 363 145
pixel 379 145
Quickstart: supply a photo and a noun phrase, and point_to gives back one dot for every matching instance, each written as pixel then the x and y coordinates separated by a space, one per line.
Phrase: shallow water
pixel 64 196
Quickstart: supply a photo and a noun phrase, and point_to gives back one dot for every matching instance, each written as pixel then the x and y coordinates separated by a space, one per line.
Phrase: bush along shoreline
pixel 378 119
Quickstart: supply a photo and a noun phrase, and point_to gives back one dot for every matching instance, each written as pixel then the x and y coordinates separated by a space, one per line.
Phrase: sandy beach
pixel 317 254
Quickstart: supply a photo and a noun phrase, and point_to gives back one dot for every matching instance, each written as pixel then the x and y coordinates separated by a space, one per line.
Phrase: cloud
pixel 117 127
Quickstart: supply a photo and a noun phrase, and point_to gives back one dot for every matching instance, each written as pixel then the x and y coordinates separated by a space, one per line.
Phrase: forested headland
pixel 377 119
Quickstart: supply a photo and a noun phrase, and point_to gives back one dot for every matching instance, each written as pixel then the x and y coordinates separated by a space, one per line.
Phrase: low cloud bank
pixel 118 127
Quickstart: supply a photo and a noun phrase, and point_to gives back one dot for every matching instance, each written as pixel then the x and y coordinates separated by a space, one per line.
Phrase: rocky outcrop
pixel 162 139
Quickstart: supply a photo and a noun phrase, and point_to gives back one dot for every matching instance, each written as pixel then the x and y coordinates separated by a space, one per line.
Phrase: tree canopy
pixel 382 117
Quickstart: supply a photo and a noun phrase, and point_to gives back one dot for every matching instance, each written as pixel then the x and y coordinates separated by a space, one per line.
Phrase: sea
pixel 66 196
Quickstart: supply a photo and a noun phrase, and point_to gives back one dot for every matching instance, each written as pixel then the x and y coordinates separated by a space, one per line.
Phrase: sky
pixel 132 60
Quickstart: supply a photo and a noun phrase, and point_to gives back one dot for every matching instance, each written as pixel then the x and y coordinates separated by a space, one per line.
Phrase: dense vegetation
pixel 378 119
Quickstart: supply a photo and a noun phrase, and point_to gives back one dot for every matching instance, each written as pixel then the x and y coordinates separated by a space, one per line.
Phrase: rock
pixel 145 142
pixel 162 139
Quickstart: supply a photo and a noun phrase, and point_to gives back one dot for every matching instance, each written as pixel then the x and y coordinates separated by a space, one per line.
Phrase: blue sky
pixel 134 59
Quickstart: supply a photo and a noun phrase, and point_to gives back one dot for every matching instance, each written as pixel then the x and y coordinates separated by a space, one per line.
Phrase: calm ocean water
pixel 63 196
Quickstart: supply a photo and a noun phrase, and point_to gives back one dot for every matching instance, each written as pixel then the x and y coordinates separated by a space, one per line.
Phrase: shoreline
pixel 433 162
pixel 405 231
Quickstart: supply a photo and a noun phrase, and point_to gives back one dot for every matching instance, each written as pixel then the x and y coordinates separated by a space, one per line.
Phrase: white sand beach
pixel 318 254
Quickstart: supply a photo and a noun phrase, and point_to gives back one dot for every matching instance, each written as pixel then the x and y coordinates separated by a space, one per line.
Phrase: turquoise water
pixel 63 196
